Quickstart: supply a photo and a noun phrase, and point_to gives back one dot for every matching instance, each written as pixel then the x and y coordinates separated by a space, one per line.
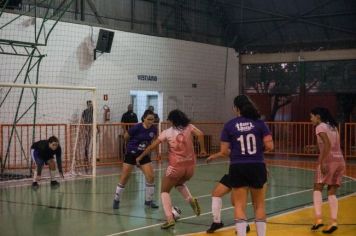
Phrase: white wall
pixel 177 64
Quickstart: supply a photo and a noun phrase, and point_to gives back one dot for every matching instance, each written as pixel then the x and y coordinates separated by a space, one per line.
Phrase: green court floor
pixel 84 206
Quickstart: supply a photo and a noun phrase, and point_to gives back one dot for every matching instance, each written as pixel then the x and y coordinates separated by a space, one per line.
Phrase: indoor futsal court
pixel 87 87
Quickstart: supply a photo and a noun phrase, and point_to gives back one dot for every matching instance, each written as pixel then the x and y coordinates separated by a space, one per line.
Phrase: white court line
pixel 207 213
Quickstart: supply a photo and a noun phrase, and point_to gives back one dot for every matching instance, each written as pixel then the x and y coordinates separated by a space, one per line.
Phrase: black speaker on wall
pixel 104 41
pixel 12 4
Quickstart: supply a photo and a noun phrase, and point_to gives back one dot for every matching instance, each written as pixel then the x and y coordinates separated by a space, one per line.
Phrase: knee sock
pixel 216 205
pixel 150 190
pixel 240 225
pixel 317 201
pixel 260 227
pixel 167 206
pixel 333 204
pixel 119 189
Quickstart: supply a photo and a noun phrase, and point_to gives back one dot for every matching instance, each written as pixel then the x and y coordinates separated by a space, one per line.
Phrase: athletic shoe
pixel 151 204
pixel 168 224
pixel 317 225
pixel 115 204
pixel 329 229
pixel 195 206
pixel 248 229
pixel 215 226
pixel 54 184
pixel 35 185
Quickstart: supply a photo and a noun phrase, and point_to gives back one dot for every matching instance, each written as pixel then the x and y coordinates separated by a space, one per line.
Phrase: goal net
pixel 29 113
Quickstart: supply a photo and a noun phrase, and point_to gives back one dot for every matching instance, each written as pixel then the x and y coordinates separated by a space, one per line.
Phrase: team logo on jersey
pixel 244 126
pixel 151 134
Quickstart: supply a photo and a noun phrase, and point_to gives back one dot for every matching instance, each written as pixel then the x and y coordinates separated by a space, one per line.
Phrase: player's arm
pixel 59 160
pixel 148 150
pixel 325 152
pixel 200 135
pixel 268 143
pixel 224 152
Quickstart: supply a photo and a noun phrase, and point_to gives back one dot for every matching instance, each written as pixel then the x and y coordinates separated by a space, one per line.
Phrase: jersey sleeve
pixel 133 130
pixel 225 137
pixel 321 128
pixel 265 130
pixel 163 136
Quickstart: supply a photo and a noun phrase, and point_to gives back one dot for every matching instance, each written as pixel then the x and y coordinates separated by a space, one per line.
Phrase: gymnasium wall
pixel 177 65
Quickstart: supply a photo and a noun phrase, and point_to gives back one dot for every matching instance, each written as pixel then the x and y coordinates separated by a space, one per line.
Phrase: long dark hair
pixel 325 115
pixel 247 108
pixel 178 118
pixel 146 113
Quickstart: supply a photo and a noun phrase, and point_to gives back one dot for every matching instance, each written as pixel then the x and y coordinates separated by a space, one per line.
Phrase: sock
pixel 183 189
pixel 333 204
pixel 317 200
pixel 150 190
pixel 35 176
pixel 260 227
pixel 216 205
pixel 167 206
pixel 119 189
pixel 52 174
pixel 240 225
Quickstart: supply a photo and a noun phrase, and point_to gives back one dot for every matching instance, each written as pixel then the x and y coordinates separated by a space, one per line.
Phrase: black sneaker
pixel 248 229
pixel 54 184
pixel 115 204
pixel 316 226
pixel 35 186
pixel 151 204
pixel 329 229
pixel 215 226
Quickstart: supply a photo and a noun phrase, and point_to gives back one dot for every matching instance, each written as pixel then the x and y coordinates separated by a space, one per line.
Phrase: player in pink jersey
pixel 330 168
pixel 182 160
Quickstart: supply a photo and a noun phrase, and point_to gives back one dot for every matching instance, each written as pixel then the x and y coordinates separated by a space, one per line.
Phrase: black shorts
pixel 225 180
pixel 252 175
pixel 131 159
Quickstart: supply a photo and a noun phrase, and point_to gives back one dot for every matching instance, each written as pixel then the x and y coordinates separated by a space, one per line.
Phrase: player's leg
pixel 52 171
pixel 221 189
pixel 240 199
pixel 183 174
pixel 333 205
pixel 167 184
pixel 38 168
pixel 258 199
pixel 317 203
pixel 147 169
pixel 124 177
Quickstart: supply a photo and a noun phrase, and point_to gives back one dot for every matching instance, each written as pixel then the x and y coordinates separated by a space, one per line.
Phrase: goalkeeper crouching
pixel 42 153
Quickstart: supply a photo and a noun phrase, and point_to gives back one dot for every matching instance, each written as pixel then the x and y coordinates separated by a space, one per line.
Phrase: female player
pixel 182 161
pixel 42 153
pixel 330 168
pixel 247 137
pixel 138 138
pixel 222 188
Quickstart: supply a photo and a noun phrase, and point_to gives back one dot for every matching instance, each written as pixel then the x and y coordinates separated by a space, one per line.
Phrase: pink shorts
pixel 180 175
pixel 333 177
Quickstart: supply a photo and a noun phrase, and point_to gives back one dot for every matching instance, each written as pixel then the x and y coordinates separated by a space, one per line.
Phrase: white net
pixel 29 113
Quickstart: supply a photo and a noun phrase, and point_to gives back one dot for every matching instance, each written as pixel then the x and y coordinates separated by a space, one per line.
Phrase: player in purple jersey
pixel 330 168
pixel 138 137
pixel 247 137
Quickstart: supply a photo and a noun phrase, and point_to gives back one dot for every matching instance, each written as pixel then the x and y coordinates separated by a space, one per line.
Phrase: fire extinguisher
pixel 106 113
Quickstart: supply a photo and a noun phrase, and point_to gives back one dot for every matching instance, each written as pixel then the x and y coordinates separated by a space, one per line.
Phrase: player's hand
pixel 324 168
pixel 209 159
pixel 138 161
